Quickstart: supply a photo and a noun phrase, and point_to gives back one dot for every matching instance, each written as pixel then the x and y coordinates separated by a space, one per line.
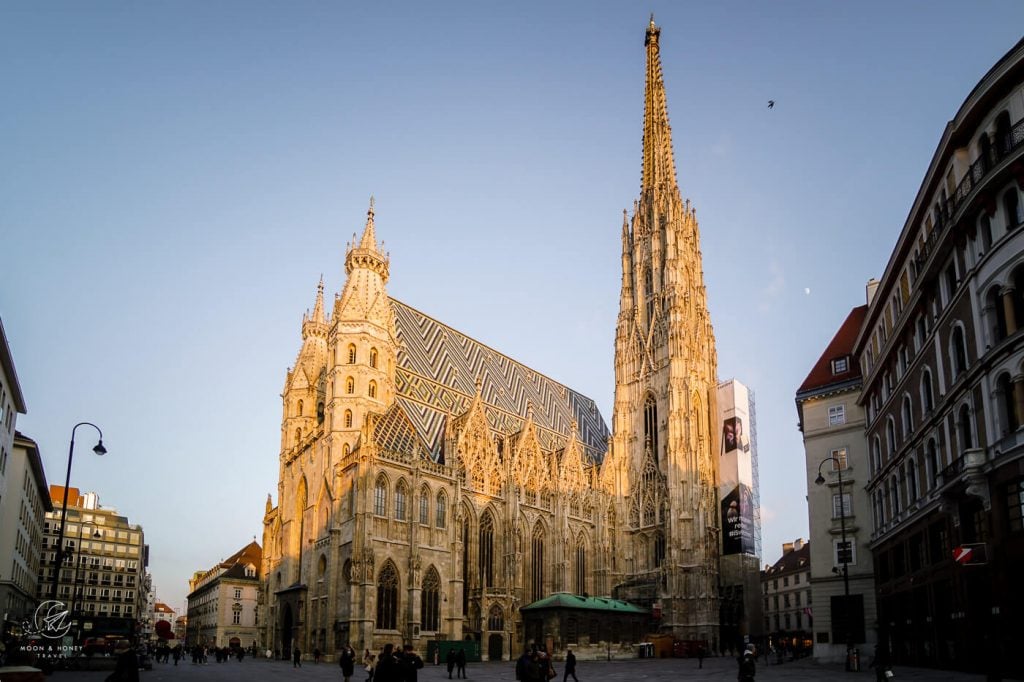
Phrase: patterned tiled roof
pixel 396 433
pixel 436 376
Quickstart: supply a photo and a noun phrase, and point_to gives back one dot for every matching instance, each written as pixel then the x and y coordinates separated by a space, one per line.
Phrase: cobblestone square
pixel 666 670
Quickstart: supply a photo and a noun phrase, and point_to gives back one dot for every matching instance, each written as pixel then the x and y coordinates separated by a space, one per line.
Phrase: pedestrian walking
pixel 316 654
pixel 127 669
pixel 460 662
pixel 370 661
pixel 570 666
pixel 347 661
pixel 450 660
pixel 297 657
pixel 700 656
pixel 880 662
pixel 748 665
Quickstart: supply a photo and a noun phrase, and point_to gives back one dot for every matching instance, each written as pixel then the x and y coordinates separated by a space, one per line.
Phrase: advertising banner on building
pixel 734 467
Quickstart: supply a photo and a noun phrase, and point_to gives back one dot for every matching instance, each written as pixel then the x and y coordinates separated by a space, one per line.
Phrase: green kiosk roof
pixel 566 600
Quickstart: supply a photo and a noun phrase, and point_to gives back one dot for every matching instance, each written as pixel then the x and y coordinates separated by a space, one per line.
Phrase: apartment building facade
pixel 942 356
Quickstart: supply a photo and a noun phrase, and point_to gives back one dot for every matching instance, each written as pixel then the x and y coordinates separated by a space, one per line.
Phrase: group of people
pixel 535 666
pixel 390 665
pixel 456 661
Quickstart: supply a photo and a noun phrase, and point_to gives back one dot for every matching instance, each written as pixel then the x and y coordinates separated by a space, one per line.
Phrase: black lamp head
pixel 820 479
pixel 99 449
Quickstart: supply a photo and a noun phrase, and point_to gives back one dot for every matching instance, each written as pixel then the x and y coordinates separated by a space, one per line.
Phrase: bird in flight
pixel 771 104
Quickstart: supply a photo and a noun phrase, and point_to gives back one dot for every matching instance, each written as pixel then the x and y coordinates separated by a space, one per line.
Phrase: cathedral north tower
pixel 663 444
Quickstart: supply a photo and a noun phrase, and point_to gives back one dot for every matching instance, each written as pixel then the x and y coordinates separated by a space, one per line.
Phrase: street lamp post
pixel 844 556
pixel 59 561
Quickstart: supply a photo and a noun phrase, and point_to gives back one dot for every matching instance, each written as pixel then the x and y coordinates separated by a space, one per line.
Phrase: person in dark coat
pixel 881 662
pixel 387 666
pixel 347 661
pixel 700 656
pixel 570 666
pixel 409 663
pixel 748 665
pixel 537 668
pixel 297 657
pixel 460 662
pixel 521 664
pixel 450 660
pixel 127 669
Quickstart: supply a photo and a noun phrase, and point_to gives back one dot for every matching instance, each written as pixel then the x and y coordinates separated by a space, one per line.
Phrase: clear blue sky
pixel 176 176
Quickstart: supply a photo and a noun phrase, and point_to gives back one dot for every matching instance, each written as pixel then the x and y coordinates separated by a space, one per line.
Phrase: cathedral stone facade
pixel 431 486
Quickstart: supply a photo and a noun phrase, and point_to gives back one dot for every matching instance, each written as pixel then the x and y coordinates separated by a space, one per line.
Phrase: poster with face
pixel 735 472
pixel 732 430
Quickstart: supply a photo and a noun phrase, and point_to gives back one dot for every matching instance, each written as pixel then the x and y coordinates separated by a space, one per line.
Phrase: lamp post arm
pixel 59 559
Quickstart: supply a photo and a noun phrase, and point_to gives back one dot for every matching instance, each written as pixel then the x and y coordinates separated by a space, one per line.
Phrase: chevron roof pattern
pixel 436 376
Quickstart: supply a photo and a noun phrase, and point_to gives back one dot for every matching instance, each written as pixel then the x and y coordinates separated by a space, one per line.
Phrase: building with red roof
pixel 832 423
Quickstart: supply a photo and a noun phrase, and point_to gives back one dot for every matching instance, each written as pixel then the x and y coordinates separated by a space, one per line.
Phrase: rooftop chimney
pixel 870 289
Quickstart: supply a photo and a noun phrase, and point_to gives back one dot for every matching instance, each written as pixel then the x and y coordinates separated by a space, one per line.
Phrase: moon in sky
pixel 807 290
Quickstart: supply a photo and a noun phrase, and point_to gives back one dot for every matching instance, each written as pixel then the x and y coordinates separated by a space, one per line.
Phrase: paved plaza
pixel 651 670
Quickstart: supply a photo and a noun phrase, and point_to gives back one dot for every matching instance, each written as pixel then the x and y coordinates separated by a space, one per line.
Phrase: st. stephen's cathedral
pixel 431 486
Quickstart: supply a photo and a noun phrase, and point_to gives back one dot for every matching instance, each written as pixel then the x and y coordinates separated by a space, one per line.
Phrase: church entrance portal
pixel 286 632
pixel 495 647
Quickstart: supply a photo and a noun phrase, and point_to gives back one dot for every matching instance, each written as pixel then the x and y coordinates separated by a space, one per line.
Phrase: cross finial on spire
pixel 318 307
pixel 369 240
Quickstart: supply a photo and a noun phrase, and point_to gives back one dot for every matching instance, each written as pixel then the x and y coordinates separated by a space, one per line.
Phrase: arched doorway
pixel 286 632
pixel 495 647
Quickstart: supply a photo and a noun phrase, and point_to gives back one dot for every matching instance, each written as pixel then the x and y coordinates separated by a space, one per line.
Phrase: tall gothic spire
pixel 659 168
pixel 366 254
pixel 369 240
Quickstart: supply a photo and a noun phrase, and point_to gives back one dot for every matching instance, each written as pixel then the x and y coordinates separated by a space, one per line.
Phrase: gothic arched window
pixel 400 498
pixel 373 389
pixel 537 559
pixel 496 619
pixel 441 511
pixel 651 425
pixel 659 550
pixel 486 549
pixel 350 385
pixel 373 357
pixel 299 409
pixel 351 353
pixel 430 606
pixel 581 567
pixel 380 497
pixel 348 419
pixel 425 506
pixel 387 597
